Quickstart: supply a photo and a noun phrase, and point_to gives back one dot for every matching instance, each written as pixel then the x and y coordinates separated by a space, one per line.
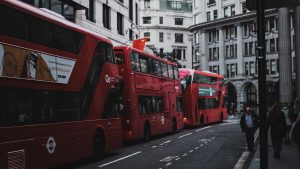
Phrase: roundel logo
pixel 51 144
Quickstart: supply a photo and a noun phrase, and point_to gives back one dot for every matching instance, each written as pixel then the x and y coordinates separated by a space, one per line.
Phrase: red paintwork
pixel 192 112
pixel 138 83
pixel 74 140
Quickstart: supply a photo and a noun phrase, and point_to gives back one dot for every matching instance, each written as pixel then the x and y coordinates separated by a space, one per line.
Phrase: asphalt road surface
pixel 215 146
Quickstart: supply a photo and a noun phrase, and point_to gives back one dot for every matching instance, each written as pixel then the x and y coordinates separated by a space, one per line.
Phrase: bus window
pixel 111 107
pixel 164 69
pixel 134 61
pixel 207 103
pixel 144 62
pixel 175 69
pixel 157 68
pixel 185 82
pixel 109 53
pixel 145 104
pixel 119 58
pixel 160 104
pixel 39 31
pixel 170 70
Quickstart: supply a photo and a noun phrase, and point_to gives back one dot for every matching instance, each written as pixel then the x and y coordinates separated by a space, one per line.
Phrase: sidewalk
pixel 289 157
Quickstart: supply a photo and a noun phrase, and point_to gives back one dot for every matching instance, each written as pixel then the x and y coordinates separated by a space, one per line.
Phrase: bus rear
pixel 57 81
pixel 152 94
pixel 201 97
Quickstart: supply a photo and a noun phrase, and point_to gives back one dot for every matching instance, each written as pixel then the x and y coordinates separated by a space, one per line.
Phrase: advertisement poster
pixel 23 63
pixel 206 91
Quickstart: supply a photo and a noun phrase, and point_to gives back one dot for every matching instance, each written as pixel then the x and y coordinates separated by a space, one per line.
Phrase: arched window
pixel 251 94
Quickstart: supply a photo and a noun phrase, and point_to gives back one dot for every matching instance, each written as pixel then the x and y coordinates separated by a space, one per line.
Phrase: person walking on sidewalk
pixel 278 128
pixel 249 123
pixel 286 110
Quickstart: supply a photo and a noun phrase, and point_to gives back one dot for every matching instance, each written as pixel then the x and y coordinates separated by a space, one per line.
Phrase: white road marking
pixel 201 145
pixel 213 138
pixel 203 128
pixel 168 164
pixel 243 158
pixel 177 159
pixel 184 135
pixel 184 155
pixel 191 151
pixel 168 159
pixel 226 124
pixel 103 165
pixel 196 148
pixel 165 142
pixel 153 146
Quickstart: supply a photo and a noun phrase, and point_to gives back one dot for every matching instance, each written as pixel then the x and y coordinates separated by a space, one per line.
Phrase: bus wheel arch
pixel 147 131
pixel 174 124
pixel 98 144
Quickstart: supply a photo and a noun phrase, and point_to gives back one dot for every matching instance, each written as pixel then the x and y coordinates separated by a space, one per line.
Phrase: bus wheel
pixel 202 121
pixel 221 118
pixel 174 125
pixel 147 132
pixel 99 145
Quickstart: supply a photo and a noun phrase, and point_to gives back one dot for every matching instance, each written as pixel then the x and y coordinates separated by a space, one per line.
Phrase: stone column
pixel 204 51
pixel 221 52
pixel 297 48
pixel 285 58
pixel 240 58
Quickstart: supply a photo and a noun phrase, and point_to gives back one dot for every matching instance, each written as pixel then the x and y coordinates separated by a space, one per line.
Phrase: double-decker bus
pixel 57 84
pixel 151 94
pixel 203 94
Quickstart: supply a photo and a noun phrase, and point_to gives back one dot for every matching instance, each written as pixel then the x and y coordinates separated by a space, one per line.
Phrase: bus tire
pixel 99 145
pixel 202 120
pixel 221 117
pixel 147 132
pixel 174 125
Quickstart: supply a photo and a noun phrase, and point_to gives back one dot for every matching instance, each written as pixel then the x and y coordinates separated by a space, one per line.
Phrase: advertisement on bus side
pixel 28 64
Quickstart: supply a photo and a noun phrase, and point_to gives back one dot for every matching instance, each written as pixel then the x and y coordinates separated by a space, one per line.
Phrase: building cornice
pixel 229 20
pixel 164 27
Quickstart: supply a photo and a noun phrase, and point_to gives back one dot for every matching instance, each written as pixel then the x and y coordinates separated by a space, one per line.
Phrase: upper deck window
pixel 204 79
pixel 20 25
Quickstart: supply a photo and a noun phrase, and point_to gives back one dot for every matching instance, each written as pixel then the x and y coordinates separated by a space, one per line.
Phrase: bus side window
pixel 109 54
pixel 156 67
pixel 134 61
pixel 164 69
pixel 144 62
pixel 175 69
pixel 170 70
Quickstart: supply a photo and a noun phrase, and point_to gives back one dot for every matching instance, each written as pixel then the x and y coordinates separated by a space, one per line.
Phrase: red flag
pixel 139 43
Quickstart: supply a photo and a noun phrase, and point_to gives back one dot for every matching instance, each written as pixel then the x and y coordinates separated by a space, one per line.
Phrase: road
pixel 216 146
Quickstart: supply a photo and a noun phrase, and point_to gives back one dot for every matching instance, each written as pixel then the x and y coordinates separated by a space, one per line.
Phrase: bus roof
pixel 145 53
pixel 183 72
pixel 52 18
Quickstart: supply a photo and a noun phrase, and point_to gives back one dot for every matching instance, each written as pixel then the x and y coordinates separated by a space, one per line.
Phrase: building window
pixel 147 35
pixel 246 30
pixel 251 94
pixel 178 21
pixel 244 9
pixel 146 20
pixel 92 10
pixel 136 14
pixel 120 24
pixel 106 16
pixel 273 67
pixel 267 67
pixel 161 20
pixel 232 70
pixel 178 38
pixel 252 68
pixel 183 50
pixel 246 49
pixel 232 10
pixel 227 52
pixel 208 16
pixel 250 48
pixel 211 2
pixel 147 4
pixel 176 5
pixel 226 11
pixel 215 14
pixel 161 37
pixel 130 10
pixel 178 53
pixel 130 34
pixel 272 45
pixel 246 68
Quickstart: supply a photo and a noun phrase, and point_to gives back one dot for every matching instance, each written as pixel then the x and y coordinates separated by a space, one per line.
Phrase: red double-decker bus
pixel 203 95
pixel 151 94
pixel 58 82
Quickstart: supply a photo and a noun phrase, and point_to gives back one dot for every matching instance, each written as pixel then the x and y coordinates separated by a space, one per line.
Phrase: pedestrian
pixel 278 128
pixel 286 110
pixel 296 110
pixel 249 123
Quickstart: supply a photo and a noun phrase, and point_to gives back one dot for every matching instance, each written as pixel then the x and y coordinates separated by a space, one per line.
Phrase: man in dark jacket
pixel 249 123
